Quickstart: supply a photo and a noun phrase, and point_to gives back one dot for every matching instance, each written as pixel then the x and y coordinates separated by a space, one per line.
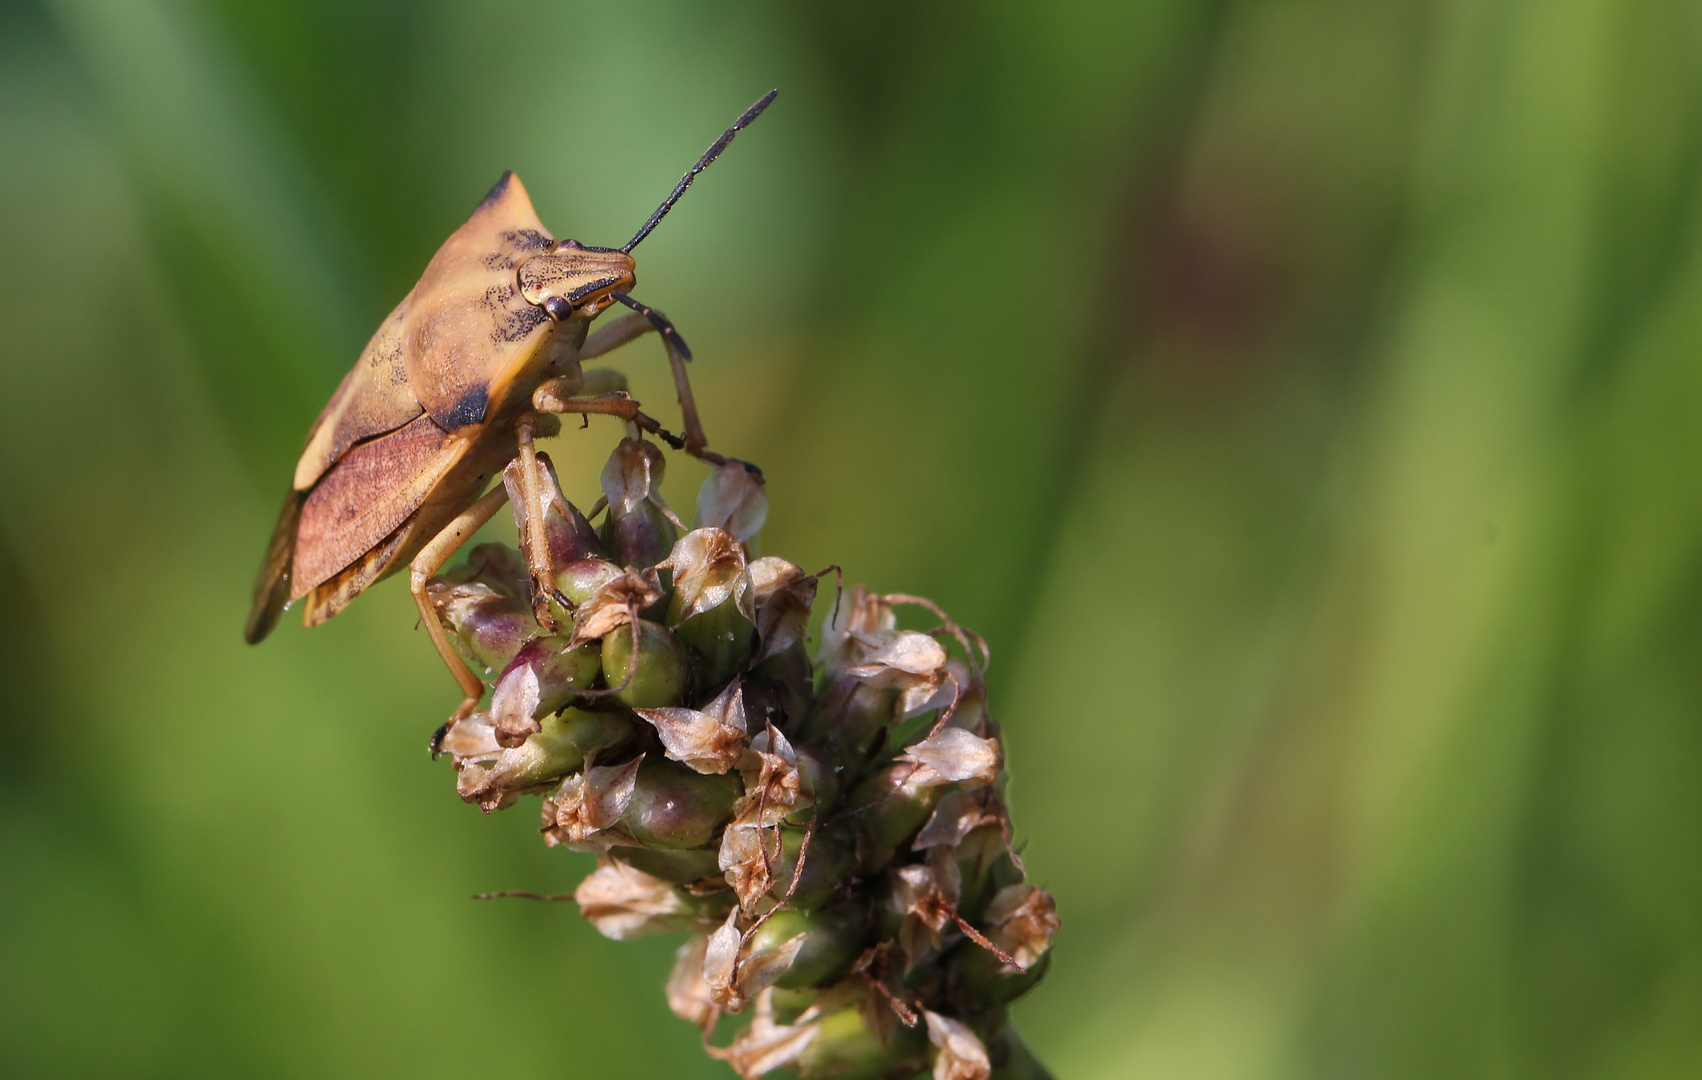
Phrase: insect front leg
pixel 429 561
pixel 679 354
pixel 613 334
pixel 556 396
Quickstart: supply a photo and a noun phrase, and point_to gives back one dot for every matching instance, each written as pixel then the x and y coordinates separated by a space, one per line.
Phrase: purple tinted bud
pixel 543 677
pixel 638 532
pixel 675 807
pixel 568 536
pixel 486 627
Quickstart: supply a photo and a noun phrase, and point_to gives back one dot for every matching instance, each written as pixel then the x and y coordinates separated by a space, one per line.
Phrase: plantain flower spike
pixel 824 822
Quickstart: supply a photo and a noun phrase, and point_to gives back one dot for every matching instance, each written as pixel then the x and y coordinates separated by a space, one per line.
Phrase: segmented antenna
pixel 702 163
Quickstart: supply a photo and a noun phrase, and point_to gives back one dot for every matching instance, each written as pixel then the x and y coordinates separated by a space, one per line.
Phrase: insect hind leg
pixel 437 551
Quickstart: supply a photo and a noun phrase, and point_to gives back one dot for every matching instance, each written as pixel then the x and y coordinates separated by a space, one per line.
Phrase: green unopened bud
pixel 543 677
pixel 559 747
pixel 676 807
pixel 819 781
pixel 831 859
pixel 678 867
pixel 733 499
pixel 579 579
pixel 659 679
pixel 980 980
pixel 638 531
pixel 833 939
pixel 852 1043
pixel 780 686
pixel 722 637
pixel 587 731
pixel 851 717
pixel 889 811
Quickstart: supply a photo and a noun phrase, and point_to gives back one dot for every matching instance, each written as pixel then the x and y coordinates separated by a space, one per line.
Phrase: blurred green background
pixel 1301 395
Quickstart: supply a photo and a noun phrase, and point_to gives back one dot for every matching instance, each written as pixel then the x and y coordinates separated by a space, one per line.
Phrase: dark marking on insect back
pixel 517 245
pixel 497 296
pixel 469 410
pixel 497 189
pixel 514 324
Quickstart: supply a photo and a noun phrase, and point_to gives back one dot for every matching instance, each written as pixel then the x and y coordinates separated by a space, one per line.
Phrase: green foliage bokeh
pixel 1301 397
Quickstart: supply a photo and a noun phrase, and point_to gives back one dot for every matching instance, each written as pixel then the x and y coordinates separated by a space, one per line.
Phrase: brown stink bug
pixel 453 387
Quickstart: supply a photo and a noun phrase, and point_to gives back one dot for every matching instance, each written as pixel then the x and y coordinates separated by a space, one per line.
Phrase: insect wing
pixel 363 499
pixel 272 585
pixel 375 397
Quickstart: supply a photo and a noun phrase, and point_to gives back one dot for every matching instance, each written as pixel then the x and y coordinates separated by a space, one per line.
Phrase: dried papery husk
pixel 735 972
pixel 925 897
pixel 1021 920
pixel 624 903
pixel 733 499
pixel 958 814
pixel 855 616
pixel 613 604
pixel 784 597
pixel 590 802
pixel 543 678
pixel 958 1051
pixel 711 739
pixel 689 997
pixel 953 755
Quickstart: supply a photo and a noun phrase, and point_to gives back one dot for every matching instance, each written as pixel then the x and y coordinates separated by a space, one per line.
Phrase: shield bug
pixel 455 384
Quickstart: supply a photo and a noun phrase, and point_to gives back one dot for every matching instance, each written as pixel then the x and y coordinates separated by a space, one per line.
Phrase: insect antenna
pixel 703 163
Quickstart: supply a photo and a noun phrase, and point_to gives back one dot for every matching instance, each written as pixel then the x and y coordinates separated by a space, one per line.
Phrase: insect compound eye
pixel 557 308
pixel 567 245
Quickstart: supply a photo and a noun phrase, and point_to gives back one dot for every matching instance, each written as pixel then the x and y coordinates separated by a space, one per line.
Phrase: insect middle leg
pixel 428 562
pixel 556 396
pixel 529 514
